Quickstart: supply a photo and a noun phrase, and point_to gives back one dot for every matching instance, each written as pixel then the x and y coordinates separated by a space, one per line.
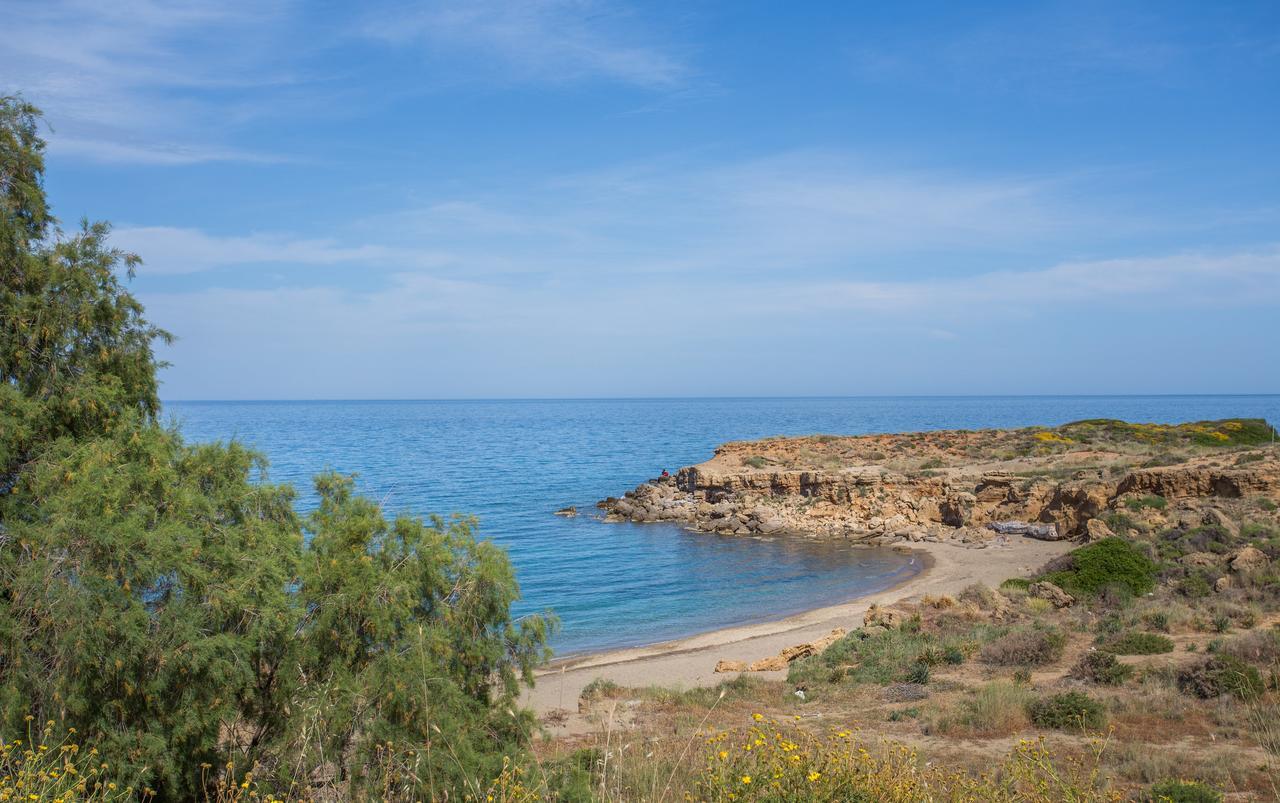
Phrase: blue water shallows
pixel 513 463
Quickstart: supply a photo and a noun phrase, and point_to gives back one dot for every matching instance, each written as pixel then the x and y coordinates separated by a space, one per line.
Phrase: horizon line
pixel 392 400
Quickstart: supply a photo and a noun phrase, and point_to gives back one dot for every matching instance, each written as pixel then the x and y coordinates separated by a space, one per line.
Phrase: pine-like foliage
pixel 166 600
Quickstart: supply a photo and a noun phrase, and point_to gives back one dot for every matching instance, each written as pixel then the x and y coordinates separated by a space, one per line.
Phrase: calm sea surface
pixel 512 463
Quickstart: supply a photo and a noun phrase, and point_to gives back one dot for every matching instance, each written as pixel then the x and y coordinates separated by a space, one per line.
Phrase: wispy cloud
pixel 168 250
pixel 534 40
pixel 133 81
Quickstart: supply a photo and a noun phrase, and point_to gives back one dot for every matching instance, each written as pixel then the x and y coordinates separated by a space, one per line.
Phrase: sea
pixel 513 463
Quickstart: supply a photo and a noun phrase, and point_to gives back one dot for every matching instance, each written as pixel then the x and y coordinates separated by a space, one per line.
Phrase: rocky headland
pixel 1078 481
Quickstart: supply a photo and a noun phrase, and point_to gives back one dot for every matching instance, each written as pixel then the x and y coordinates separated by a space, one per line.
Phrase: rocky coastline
pixel 969 489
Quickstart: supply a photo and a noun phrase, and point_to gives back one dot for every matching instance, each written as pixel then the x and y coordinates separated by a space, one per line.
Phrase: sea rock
pixel 568 512
pixel 1248 560
pixel 1046 590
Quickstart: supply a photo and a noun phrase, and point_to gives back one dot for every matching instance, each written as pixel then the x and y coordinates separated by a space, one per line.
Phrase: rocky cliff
pixel 964 486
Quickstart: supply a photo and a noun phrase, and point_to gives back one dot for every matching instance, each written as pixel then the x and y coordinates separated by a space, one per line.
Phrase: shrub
pixel 1071 710
pixel 1015 584
pixel 756 461
pixel 883 658
pixel 1102 668
pixel 1134 643
pixel 1173 791
pixel 1147 502
pixel 1026 647
pixel 1109 561
pixel 1157 620
pixel 998 707
pixel 770 763
pixel 1219 675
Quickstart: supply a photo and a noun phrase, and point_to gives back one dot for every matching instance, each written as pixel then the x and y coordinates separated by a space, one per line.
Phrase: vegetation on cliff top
pixel 165 601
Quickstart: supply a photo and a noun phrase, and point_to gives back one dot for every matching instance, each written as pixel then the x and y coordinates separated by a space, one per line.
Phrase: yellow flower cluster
pixel 41 767
pixel 773 763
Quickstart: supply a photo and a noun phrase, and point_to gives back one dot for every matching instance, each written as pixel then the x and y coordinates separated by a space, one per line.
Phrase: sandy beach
pixel 689 662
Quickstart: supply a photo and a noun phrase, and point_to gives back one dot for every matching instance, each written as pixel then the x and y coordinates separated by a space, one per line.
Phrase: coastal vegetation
pixel 169 622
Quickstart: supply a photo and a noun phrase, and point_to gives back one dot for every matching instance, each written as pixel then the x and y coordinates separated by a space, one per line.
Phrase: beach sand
pixel 690 662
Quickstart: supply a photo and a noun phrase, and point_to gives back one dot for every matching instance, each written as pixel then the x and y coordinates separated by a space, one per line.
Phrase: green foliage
pixel 1102 668
pixel 883 658
pixel 1111 561
pixel 1175 791
pixel 756 461
pixel 1147 503
pixel 1135 643
pixel 1228 432
pixel 1015 584
pixel 160 597
pixel 1071 710
pixel 1219 675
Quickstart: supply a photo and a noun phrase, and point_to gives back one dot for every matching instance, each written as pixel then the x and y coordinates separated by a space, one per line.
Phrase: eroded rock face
pixel 877 504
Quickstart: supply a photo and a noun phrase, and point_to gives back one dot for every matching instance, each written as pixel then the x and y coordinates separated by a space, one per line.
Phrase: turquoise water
pixel 513 463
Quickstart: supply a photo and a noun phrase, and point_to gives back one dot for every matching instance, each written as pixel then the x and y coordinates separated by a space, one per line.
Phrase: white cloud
pixel 169 250
pixel 541 40
pixel 125 81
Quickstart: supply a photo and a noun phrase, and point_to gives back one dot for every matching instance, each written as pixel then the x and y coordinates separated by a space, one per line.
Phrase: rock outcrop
pixel 755 489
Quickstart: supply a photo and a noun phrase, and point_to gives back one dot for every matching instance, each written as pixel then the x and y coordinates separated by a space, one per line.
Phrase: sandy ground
pixel 690 662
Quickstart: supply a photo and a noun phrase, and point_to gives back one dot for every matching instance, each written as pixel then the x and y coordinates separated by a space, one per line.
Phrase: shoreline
pixel 690 661
pixel 738 632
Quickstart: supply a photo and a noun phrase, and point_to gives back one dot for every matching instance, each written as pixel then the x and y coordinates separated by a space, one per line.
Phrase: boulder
pixel 1046 590
pixel 1200 559
pixel 884 617
pixel 1096 530
pixel 569 511
pixel 1045 532
pixel 774 663
pixel 1216 518
pixel 731 666
pixel 1222 583
pixel 771 526
pixel 1009 527
pixel 1248 560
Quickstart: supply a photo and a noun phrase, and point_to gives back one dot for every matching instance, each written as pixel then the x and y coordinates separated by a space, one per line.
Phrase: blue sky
pixel 594 198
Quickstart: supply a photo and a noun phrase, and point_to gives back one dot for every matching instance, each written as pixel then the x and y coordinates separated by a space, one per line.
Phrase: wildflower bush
pixel 772 762
pixel 51 766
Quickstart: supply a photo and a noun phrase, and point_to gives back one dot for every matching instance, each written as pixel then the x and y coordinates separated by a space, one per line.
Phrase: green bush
pixel 1015 583
pixel 1111 561
pixel 1219 675
pixel 1174 791
pixel 1102 668
pixel 1071 710
pixel 1147 502
pixel 1134 643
